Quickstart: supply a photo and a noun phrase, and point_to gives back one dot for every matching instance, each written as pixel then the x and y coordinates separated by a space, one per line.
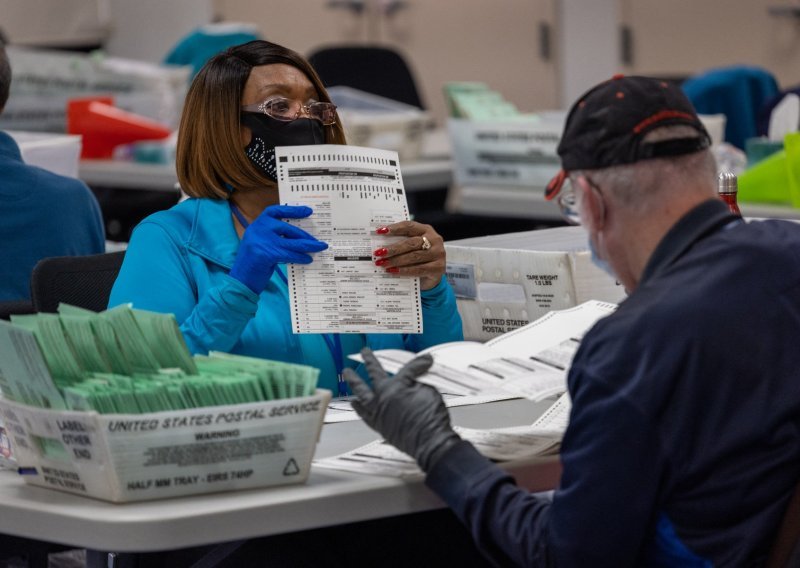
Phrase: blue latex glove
pixel 268 241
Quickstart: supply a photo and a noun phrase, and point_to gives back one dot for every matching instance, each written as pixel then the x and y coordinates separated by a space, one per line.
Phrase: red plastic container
pixel 104 126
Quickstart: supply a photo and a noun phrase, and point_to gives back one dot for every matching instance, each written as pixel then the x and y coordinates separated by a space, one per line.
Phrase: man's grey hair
pixel 5 77
pixel 633 184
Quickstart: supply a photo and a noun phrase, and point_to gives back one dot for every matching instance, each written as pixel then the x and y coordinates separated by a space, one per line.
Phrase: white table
pixel 417 176
pixel 763 210
pixel 328 498
pixel 528 202
pixel 433 170
pixel 503 201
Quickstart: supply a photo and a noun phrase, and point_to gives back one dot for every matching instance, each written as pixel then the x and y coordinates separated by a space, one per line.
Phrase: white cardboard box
pixel 135 457
pixel 58 153
pixel 515 152
pixel 377 122
pixel 520 152
pixel 503 282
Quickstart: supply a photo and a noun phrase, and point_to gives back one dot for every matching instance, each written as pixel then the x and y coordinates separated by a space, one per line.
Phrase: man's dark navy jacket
pixel 683 446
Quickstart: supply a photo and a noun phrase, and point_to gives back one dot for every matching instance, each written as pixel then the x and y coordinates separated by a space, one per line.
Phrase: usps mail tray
pixel 135 457
pixel 503 282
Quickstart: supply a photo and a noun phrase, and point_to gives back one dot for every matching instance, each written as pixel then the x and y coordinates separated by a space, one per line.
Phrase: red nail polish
pixel 381 262
pixel 382 230
pixel 381 252
pixel 393 270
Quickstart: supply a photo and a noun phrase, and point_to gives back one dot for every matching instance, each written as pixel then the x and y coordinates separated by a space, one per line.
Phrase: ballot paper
pixel 556 417
pixel 352 191
pixel 376 458
pixel 341 410
pixel 531 361
pixel 508 446
pixel 542 438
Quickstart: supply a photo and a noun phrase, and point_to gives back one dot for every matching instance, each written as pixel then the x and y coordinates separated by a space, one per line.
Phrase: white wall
pixel 494 41
pixel 135 29
pixel 490 40
pixel 66 23
pixel 148 29
pixel 684 37
pixel 588 45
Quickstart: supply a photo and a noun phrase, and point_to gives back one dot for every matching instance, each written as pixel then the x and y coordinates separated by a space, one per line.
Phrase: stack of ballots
pixel 112 405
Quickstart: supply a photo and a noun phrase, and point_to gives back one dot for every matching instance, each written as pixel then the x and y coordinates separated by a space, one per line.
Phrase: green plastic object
pixel 775 179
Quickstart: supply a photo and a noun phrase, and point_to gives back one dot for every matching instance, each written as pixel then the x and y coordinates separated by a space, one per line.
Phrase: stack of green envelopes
pixel 126 361
pixel 476 101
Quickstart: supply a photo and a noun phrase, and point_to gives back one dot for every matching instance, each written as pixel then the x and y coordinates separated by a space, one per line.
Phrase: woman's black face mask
pixel 267 133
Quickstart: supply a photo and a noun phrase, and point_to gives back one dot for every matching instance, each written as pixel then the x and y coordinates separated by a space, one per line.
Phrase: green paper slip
pixel 88 350
pixel 130 338
pixel 165 339
pixel 24 375
pixel 105 338
pixel 78 398
pixel 53 343
pixel 278 379
pixel 176 396
pixel 453 89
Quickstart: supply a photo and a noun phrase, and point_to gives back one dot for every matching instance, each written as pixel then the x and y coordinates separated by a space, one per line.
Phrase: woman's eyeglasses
pixel 288 110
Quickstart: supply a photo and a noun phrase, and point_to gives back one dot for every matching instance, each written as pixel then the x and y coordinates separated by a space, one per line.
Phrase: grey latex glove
pixel 408 414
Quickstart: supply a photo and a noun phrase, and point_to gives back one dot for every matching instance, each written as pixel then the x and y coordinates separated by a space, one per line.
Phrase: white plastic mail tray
pixel 377 122
pixel 135 457
pixel 503 282
pixel 519 152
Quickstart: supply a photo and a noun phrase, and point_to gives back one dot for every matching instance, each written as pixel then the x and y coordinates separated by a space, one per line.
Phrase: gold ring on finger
pixel 426 244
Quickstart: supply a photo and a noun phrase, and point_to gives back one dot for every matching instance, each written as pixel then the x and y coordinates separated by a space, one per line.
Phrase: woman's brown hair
pixel 210 158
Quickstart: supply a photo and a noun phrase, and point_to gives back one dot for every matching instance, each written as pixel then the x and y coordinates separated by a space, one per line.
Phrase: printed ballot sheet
pixel 340 409
pixel 352 191
pixel 542 438
pixel 530 362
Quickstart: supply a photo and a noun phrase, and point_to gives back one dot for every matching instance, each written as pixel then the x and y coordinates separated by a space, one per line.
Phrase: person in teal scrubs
pixel 218 259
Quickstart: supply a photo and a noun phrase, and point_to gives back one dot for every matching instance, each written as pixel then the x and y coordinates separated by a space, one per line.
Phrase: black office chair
pixel 83 281
pixel 123 208
pixel 377 70
pixel 15 307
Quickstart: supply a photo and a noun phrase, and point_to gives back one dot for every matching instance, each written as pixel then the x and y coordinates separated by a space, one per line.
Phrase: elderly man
pixel 41 213
pixel 683 446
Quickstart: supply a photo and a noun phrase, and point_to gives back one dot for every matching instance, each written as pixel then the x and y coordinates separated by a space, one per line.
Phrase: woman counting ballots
pixel 217 260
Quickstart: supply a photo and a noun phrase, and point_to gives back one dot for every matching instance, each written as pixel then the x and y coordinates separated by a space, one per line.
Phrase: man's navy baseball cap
pixel 608 123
